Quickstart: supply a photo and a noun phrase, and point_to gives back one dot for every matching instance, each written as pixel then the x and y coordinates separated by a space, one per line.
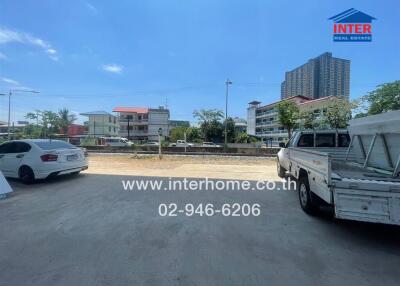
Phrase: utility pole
pixel 9 115
pixel 9 107
pixel 159 143
pixel 184 134
pixel 228 82
pixel 128 127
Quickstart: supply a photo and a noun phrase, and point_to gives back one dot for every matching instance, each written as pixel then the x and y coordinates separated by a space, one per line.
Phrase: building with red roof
pixel 142 123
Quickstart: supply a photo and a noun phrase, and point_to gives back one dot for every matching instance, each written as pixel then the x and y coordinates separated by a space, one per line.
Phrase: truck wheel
pixel 281 171
pixel 306 202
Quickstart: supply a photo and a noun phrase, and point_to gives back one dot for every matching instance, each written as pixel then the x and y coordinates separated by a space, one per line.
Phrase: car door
pixel 284 159
pixel 12 158
pixel 3 152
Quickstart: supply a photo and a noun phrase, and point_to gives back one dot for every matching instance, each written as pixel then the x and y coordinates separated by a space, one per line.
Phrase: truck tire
pixel 305 197
pixel 281 171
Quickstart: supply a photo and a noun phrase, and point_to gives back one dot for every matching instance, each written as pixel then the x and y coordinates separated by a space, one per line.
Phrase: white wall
pixel 251 120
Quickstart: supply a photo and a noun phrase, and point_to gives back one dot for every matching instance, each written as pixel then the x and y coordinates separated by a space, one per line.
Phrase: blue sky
pixel 94 55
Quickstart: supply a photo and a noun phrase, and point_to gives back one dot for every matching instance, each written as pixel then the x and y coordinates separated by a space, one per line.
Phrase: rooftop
pixel 131 109
pixel 96 113
pixel 288 98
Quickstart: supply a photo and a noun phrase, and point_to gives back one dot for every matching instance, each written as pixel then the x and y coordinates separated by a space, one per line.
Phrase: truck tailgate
pixel 367 200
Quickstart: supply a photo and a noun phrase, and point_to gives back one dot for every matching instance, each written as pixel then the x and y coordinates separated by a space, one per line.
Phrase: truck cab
pixel 323 140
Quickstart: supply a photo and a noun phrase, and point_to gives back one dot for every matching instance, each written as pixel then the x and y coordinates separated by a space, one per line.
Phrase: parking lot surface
pixel 86 230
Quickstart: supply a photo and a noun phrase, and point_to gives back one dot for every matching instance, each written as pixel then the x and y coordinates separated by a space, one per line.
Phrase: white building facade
pixel 102 123
pixel 142 123
pixel 263 121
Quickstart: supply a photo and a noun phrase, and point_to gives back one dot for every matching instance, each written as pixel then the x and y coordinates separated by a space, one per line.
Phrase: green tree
pixel 178 133
pixel 385 98
pixel 32 131
pixel 288 113
pixel 65 119
pixel 338 113
pixel 230 127
pixel 50 122
pixel 307 119
pixel 243 137
pixel 193 134
pixel 210 123
pixel 208 115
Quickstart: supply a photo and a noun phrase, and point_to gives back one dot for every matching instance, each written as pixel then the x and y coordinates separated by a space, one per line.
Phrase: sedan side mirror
pixel 282 144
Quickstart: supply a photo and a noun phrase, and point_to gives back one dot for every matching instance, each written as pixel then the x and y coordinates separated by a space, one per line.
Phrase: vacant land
pixel 241 168
pixel 86 230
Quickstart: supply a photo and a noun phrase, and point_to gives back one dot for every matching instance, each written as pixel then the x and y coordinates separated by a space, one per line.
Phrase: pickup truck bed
pixel 365 195
pixel 356 193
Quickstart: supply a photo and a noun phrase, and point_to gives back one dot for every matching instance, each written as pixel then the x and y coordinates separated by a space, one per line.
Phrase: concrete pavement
pixel 86 230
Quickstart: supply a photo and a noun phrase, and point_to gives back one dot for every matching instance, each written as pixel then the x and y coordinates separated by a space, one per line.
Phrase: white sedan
pixel 40 158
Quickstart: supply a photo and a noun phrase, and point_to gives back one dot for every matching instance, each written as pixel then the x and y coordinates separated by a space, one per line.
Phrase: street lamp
pixel 9 106
pixel 2 94
pixel 228 82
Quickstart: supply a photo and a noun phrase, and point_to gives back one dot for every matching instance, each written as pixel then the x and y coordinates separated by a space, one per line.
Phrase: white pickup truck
pixel 361 181
pixel 181 143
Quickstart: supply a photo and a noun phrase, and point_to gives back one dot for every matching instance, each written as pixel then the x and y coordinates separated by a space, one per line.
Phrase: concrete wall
pixel 99 125
pixel 158 119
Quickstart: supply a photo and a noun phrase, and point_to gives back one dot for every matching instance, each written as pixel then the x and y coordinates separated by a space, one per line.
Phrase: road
pixel 87 230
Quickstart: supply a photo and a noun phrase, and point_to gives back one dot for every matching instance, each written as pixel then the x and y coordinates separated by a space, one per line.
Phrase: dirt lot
pixel 241 168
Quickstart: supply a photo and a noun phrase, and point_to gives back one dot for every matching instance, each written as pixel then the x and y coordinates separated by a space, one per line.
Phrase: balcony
pixel 133 133
pixel 266 113
pixel 132 122
pixel 267 123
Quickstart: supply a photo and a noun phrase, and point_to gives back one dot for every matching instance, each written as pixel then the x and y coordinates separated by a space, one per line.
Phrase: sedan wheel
pixel 26 175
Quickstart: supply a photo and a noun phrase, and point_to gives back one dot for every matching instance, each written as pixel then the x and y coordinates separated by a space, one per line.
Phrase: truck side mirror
pixel 282 144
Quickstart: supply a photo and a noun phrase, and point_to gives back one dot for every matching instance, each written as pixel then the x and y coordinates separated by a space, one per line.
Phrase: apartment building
pixel 320 77
pixel 101 123
pixel 263 121
pixel 142 123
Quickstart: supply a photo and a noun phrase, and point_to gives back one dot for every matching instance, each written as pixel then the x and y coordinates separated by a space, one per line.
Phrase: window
pixel 14 147
pixel 325 140
pixel 344 140
pixel 54 144
pixel 22 147
pixel 7 148
pixel 306 140
pixel 109 128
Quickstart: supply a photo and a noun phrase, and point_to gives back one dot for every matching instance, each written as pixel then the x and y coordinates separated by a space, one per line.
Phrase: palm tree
pixel 65 119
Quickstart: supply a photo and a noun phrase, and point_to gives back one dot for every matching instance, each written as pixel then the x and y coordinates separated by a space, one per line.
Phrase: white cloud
pixel 10 36
pixel 10 81
pixel 91 8
pixel 113 68
pixel 3 56
pixel 13 84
